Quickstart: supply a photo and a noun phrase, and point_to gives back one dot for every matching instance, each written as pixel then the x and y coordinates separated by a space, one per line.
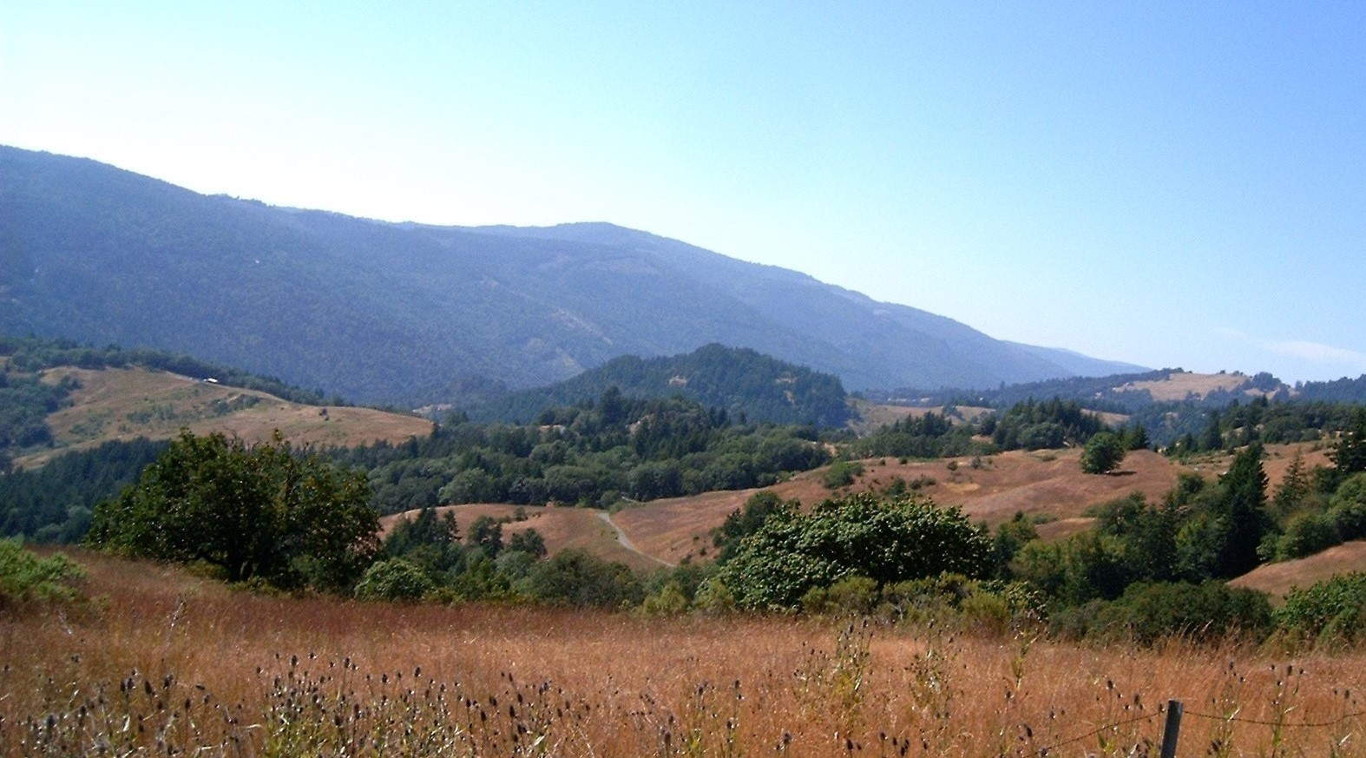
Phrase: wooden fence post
pixel 1172 731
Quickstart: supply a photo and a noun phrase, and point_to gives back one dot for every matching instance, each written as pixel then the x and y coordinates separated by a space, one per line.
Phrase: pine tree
pixel 1240 514
pixel 1294 487
pixel 1350 454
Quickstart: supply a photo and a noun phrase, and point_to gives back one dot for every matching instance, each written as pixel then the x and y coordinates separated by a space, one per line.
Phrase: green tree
pixel 1240 516
pixel 1295 487
pixel 486 533
pixel 528 541
pixel 1349 456
pixel 253 511
pixel 1102 454
pixel 744 522
pixel 394 580
pixel 886 541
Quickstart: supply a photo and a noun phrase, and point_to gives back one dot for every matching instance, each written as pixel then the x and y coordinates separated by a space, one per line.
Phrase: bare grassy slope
pixel 1179 386
pixel 1278 578
pixel 210 663
pixel 562 528
pixel 1046 483
pixel 127 403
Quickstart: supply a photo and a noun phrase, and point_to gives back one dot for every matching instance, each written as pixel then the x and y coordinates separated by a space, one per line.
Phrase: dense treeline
pixel 1032 425
pixel 1265 421
pixel 1099 393
pixel 1342 390
pixel 53 503
pixel 596 453
pixel 32 354
pixel 931 435
pixel 747 384
pixel 1028 425
pixel 25 402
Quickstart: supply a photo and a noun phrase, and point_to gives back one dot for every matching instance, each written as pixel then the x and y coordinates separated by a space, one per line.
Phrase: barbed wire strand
pixel 1148 717
pixel 1295 724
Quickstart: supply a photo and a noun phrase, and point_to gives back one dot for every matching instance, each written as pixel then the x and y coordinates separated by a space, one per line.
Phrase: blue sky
pixel 1171 184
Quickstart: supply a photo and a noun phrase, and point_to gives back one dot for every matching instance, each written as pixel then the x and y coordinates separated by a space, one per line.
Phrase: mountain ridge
pixel 402 312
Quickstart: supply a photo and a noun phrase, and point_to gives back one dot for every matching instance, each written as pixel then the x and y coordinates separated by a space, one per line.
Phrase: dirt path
pixel 626 541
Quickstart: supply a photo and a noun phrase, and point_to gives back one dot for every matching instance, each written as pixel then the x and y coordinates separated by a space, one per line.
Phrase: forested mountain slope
pixel 380 312
pixel 740 381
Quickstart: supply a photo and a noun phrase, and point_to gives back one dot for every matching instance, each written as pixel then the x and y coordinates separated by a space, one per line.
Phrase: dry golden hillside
pixel 1048 484
pixel 126 403
pixel 1045 484
pixel 563 528
pixel 1279 578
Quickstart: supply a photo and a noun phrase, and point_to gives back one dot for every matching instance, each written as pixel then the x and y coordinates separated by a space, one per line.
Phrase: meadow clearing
pixel 160 662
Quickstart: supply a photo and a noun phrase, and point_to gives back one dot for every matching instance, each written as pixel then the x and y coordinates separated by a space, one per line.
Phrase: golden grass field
pixel 163 662
pixel 1279 578
pixel 1179 386
pixel 127 403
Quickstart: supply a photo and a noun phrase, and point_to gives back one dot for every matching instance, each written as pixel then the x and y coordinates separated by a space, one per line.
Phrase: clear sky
pixel 1171 184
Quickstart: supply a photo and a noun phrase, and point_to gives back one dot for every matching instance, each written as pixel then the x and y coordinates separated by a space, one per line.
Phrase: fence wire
pixel 1212 717
pixel 1294 724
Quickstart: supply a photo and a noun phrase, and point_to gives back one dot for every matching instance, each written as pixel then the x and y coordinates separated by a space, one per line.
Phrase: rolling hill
pixel 127 403
pixel 408 313
pixel 740 381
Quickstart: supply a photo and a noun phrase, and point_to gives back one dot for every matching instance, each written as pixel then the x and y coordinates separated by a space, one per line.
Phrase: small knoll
pixel 1182 384
pixel 562 528
pixel 872 416
pixel 1279 578
pixel 126 403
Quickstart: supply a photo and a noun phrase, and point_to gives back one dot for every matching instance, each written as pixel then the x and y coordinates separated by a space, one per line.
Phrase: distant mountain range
pixel 411 314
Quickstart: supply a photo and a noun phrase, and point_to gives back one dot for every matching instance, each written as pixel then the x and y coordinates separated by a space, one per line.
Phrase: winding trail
pixel 626 541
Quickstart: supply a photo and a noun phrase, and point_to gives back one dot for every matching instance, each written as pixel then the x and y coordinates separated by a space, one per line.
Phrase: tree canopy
pixel 264 511
pixel 859 535
pixel 1103 453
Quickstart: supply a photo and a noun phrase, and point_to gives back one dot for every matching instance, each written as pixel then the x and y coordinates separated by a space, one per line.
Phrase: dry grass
pixel 872 416
pixel 1278 578
pixel 562 528
pixel 190 663
pixel 1048 483
pixel 1179 386
pixel 127 403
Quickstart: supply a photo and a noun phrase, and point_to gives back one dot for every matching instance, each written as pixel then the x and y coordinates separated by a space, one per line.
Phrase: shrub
pixel 1150 611
pixel 956 601
pixel 26 578
pixel 577 578
pixel 1306 534
pixel 853 595
pixel 1333 610
pixel 842 474
pixel 668 601
pixel 394 579
pixel 714 597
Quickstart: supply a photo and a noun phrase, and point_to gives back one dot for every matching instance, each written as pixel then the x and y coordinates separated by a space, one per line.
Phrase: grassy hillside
pixel 200 665
pixel 1042 484
pixel 123 404
pixel 1279 578
pixel 562 528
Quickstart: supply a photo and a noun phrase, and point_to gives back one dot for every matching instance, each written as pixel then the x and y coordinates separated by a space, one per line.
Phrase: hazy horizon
pixel 1159 184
